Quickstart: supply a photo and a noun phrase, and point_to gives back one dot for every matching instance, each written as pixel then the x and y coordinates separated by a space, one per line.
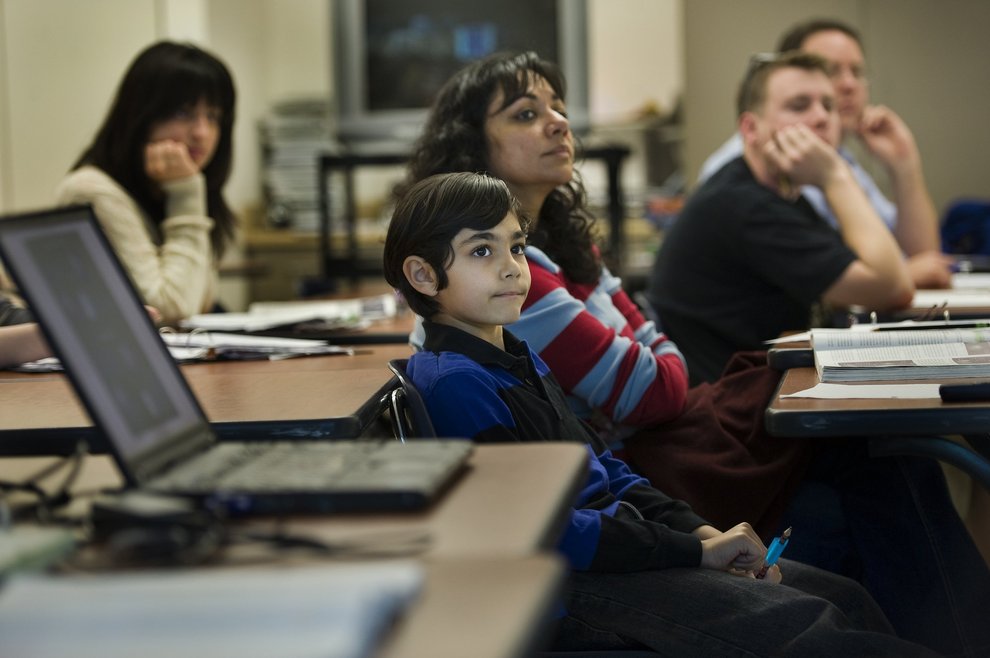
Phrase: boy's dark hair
pixel 428 216
pixel 753 89
pixel 794 38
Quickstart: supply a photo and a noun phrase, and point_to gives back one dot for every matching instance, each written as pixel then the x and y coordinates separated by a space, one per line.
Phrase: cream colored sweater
pixel 171 264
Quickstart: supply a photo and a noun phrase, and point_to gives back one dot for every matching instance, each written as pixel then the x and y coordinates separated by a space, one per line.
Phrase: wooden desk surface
pixel 488 588
pixel 511 502
pixel 328 394
pixel 483 608
pixel 227 395
pixel 806 417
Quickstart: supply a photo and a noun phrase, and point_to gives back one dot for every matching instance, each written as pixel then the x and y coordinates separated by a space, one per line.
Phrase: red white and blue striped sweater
pixel 619 522
pixel 612 362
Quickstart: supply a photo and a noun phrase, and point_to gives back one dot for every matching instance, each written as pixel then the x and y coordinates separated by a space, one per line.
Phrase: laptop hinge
pixel 154 461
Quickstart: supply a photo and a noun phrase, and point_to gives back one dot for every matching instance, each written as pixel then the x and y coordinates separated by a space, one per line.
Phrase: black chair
pixel 965 229
pixel 410 419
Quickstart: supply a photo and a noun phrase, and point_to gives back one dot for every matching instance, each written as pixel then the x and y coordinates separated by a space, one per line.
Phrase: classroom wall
pixel 60 61
pixel 928 60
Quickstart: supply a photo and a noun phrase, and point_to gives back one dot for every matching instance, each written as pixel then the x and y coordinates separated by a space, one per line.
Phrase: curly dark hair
pixel 454 140
pixel 162 79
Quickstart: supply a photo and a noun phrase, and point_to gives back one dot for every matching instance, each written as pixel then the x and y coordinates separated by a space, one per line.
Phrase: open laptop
pixel 138 398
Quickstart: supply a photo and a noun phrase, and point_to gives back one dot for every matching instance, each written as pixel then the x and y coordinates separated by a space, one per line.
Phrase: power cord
pixel 43 507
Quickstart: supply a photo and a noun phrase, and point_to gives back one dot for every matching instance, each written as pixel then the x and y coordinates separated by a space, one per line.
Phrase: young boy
pixel 646 571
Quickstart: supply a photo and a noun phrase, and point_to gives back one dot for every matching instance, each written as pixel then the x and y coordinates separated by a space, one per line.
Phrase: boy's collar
pixel 444 338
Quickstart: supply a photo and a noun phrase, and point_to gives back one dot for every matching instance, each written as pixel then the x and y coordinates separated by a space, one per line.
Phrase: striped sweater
pixel 616 367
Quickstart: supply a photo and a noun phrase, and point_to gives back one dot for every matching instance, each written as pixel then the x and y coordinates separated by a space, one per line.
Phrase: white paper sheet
pixel 324 611
pixel 868 392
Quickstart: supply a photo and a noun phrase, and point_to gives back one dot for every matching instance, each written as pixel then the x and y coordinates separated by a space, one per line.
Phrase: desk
pixel 320 397
pixel 894 426
pixel 967 299
pixel 487 590
pixel 534 485
pixel 483 608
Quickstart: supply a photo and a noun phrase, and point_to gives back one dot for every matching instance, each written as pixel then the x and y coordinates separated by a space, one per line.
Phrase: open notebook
pixel 157 431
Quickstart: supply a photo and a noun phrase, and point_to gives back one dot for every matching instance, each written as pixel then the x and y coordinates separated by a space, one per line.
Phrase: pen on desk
pixel 777 547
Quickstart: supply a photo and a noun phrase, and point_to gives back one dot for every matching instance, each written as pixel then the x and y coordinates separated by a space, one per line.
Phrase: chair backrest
pixel 965 228
pixel 410 419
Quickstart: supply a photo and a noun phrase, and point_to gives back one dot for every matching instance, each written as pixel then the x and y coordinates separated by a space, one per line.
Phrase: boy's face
pixel 487 282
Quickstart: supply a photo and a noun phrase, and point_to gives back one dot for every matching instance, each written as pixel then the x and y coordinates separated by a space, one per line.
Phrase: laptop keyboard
pixel 351 465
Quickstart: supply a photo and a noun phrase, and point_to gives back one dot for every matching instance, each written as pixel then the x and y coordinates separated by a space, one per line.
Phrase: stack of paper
pixel 898 355
pixel 347 313
pixel 216 345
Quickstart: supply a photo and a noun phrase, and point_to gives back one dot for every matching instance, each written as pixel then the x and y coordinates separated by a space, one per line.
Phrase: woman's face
pixel 530 145
pixel 197 127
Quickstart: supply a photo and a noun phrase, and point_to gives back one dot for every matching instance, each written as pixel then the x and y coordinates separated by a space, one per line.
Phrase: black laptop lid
pixel 97 326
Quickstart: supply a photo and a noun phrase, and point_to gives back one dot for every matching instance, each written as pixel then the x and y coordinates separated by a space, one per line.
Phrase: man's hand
pixel 798 156
pixel 167 161
pixel 888 137
pixel 930 269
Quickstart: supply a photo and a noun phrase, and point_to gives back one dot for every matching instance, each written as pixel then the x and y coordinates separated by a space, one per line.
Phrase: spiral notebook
pixel 158 433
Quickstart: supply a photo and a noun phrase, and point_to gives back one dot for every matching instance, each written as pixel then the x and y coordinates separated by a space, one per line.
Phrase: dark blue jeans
pixel 700 612
pixel 889 523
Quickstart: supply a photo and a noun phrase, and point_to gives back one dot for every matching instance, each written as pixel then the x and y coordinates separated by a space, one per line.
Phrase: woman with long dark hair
pixel 155 173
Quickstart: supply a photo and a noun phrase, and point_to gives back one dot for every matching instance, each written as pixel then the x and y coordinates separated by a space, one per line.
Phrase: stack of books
pixel 293 136
pixel 901 354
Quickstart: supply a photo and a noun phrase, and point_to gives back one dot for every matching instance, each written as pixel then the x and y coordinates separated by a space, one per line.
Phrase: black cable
pixel 43 508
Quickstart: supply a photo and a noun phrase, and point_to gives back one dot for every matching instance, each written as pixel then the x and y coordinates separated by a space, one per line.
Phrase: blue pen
pixel 777 547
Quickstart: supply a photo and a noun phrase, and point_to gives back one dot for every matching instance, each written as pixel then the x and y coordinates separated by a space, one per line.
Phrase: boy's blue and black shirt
pixel 475 390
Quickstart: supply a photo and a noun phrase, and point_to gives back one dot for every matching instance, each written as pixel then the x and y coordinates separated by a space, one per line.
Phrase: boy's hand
pixel 738 551
pixel 167 161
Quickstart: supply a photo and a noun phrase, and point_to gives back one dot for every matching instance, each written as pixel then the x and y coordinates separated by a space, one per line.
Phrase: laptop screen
pixel 97 326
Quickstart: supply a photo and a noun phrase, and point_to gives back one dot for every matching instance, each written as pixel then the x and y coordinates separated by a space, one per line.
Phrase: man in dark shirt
pixel 748 257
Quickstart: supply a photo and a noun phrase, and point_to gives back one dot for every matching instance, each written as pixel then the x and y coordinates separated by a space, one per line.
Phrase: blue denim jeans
pixel 700 612
pixel 889 523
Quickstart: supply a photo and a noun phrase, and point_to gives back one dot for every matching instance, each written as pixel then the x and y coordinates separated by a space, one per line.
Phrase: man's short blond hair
pixel 753 90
